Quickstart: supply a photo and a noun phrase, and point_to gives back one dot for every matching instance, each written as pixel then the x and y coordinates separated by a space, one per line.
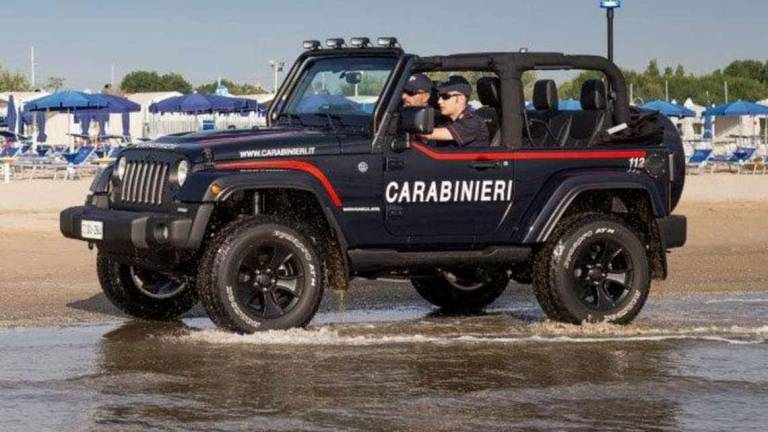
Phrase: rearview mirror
pixel 417 120
pixel 353 77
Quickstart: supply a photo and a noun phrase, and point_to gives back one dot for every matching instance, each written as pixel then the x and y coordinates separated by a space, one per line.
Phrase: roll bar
pixel 510 68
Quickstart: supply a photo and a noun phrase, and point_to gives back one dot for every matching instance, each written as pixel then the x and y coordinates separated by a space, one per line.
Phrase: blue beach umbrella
pixel 11 117
pixel 66 100
pixel 126 120
pixel 85 124
pixel 41 136
pixel 708 132
pixel 669 109
pixel 737 109
pixel 198 103
pixel 569 105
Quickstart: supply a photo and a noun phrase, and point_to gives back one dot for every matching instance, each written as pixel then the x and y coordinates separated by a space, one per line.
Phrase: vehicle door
pixel 454 194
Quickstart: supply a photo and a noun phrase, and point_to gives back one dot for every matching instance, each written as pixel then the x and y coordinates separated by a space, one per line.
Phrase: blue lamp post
pixel 609 6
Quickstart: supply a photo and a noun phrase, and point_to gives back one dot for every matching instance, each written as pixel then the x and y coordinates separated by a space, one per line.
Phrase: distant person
pixel 460 127
pixel 417 91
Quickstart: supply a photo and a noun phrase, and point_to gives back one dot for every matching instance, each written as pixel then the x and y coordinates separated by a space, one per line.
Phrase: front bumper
pixel 673 231
pixel 129 230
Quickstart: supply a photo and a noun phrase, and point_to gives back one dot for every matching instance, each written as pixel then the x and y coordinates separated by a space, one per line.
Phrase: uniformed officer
pixel 461 127
pixel 417 91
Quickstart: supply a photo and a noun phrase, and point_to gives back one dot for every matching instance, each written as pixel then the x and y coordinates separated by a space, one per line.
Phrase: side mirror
pixel 417 120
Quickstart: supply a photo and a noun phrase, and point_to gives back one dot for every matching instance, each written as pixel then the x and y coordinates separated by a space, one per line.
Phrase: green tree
pixel 751 69
pixel 151 81
pixel 13 81
pixel 54 84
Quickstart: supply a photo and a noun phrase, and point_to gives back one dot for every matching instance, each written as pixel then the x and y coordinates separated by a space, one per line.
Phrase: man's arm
pixel 438 134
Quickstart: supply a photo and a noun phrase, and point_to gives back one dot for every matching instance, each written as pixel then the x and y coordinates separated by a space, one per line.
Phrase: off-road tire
pixel 119 286
pixel 441 293
pixel 219 262
pixel 555 279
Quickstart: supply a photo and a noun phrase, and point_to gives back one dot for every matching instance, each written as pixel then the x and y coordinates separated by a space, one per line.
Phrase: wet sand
pixel 48 280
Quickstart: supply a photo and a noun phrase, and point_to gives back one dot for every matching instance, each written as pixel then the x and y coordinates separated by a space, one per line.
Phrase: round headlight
pixel 182 169
pixel 120 170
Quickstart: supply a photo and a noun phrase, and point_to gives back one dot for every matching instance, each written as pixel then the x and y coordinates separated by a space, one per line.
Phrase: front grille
pixel 144 182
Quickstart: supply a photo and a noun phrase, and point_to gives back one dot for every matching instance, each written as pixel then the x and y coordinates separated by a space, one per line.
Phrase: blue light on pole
pixel 610 4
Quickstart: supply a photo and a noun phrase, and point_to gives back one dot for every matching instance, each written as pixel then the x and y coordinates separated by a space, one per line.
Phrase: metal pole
pixel 609 15
pixel 666 89
pixel 725 84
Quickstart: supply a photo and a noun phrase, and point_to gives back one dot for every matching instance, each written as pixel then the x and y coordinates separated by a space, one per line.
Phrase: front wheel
pixel 260 275
pixel 594 269
pixel 462 290
pixel 144 293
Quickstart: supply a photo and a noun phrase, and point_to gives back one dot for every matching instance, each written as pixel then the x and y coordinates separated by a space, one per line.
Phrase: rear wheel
pixel 462 290
pixel 593 269
pixel 145 293
pixel 260 275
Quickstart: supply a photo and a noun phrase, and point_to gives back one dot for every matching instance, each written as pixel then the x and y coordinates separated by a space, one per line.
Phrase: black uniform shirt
pixel 467 130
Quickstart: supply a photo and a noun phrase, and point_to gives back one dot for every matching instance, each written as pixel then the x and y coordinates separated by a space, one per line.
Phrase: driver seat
pixel 488 93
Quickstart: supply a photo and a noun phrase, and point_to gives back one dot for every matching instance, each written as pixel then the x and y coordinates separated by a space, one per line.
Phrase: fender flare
pixel 562 198
pixel 278 180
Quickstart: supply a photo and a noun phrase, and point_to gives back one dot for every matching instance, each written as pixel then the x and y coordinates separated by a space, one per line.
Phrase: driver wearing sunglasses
pixel 461 127
pixel 417 91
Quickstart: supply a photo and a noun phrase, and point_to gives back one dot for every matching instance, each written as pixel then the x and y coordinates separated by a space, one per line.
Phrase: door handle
pixel 394 164
pixel 484 165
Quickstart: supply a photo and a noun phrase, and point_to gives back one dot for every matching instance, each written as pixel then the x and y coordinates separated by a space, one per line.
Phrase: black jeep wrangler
pixel 256 224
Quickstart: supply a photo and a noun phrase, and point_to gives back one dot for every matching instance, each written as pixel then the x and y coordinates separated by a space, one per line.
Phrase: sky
pixel 79 40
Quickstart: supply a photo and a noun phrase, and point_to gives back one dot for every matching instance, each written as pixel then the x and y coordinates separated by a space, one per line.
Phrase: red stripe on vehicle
pixel 531 155
pixel 289 165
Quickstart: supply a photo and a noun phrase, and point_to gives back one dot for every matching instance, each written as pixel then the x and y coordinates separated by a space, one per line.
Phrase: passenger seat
pixel 547 113
pixel 488 91
pixel 588 122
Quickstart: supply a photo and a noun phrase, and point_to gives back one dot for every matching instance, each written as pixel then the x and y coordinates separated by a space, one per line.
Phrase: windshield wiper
pixel 337 118
pixel 291 117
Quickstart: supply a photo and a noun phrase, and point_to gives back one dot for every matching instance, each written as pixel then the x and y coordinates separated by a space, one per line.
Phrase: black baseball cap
pixel 455 83
pixel 418 83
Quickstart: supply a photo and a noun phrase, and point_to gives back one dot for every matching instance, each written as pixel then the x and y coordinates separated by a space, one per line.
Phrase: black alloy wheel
pixel 258 274
pixel 603 274
pixel 594 268
pixel 269 280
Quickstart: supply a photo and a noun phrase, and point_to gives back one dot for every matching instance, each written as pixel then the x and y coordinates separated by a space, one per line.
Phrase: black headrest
pixel 488 91
pixel 593 95
pixel 545 95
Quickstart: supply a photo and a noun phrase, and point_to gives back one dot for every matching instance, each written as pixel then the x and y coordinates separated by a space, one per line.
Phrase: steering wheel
pixel 546 128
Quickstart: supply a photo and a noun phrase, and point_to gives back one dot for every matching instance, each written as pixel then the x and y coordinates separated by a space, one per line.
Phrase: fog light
pixel 162 233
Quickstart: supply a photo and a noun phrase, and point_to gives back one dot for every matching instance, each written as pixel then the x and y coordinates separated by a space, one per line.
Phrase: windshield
pixel 341 86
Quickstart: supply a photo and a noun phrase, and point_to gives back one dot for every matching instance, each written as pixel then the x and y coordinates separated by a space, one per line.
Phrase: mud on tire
pixel 594 268
pixel 143 293
pixel 476 289
pixel 257 274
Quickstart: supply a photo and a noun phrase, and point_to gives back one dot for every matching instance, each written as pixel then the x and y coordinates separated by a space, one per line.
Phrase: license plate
pixel 92 229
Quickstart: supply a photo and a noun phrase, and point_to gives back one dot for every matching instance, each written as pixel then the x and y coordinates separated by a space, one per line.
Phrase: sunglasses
pixel 414 93
pixel 449 96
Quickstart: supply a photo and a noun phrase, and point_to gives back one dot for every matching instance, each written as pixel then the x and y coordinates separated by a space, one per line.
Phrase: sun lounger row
pixel 742 159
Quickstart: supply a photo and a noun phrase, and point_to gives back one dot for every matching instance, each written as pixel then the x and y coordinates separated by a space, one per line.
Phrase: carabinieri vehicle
pixel 256 224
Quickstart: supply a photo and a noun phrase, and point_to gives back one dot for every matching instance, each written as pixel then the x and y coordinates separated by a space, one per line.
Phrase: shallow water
pixel 385 361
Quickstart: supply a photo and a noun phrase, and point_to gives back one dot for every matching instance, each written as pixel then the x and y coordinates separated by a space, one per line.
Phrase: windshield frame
pixel 290 86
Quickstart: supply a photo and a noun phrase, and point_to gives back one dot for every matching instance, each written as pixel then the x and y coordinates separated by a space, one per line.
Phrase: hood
pixel 248 144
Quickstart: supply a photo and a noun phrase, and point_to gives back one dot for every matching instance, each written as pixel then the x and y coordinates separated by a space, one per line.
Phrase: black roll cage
pixel 509 67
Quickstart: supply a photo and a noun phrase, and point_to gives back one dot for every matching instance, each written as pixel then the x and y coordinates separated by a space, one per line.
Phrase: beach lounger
pixel 699 159
pixel 737 158
pixel 80 162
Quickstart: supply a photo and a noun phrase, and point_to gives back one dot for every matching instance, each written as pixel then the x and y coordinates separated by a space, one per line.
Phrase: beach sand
pixel 46 279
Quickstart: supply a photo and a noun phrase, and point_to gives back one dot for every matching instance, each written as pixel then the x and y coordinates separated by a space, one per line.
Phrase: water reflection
pixel 158 378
